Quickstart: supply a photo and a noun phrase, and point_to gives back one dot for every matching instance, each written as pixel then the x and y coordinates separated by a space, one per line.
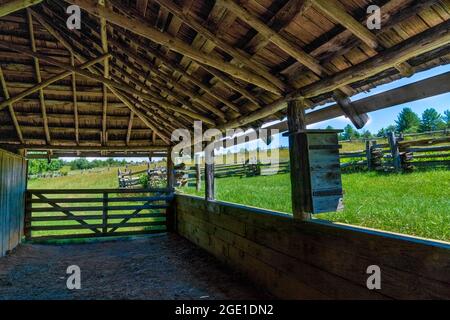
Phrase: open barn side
pixel 314 259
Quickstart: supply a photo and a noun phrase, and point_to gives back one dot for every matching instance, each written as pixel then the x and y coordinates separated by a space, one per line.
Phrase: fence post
pixel 209 175
pixel 27 216
pixel 369 146
pixel 105 213
pixel 198 174
pixel 396 161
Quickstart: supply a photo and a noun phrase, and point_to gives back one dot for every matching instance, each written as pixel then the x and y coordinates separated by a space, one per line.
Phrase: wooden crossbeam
pixel 10 106
pixel 130 127
pixel 54 32
pixel 16 5
pixel 110 83
pixel 104 40
pixel 43 84
pixel 37 69
pixel 141 27
pixel 237 54
pixel 75 100
pixel 358 120
pixel 424 42
pixel 337 12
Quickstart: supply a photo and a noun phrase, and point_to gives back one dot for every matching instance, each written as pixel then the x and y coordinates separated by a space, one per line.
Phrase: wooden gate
pixel 69 214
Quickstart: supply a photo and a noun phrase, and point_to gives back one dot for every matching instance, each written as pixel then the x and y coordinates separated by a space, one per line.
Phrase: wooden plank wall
pixel 314 260
pixel 13 179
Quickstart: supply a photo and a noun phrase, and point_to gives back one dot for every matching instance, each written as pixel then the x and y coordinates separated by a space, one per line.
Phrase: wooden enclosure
pixel 13 178
pixel 315 259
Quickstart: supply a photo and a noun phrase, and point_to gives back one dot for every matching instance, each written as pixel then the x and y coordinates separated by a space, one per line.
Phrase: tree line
pixel 407 122
pixel 39 166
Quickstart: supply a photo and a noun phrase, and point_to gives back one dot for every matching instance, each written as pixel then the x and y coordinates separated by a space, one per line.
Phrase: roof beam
pixel 116 92
pixel 130 127
pixel 75 100
pixel 424 42
pixel 235 53
pixel 43 84
pixel 336 12
pixel 141 27
pixel 37 69
pixel 104 40
pixel 16 5
pixel 10 106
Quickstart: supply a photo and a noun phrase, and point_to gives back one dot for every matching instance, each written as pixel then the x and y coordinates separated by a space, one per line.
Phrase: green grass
pixel 416 204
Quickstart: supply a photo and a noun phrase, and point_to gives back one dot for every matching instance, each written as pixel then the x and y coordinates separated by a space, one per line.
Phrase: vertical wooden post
pixel 105 214
pixel 170 171
pixel 170 213
pixel 198 173
pixel 396 161
pixel 28 212
pixel 369 146
pixel 298 153
pixel 209 176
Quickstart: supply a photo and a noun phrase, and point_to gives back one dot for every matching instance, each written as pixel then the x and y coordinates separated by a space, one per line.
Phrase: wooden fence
pixel 396 155
pixel 68 214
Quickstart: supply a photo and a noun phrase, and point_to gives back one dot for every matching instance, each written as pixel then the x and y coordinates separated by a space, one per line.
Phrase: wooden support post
pixel 209 176
pixel 27 222
pixel 171 218
pixel 396 161
pixel 198 174
pixel 298 153
pixel 105 213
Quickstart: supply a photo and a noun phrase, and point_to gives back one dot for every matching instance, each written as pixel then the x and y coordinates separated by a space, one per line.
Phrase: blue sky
pixel 381 118
pixel 385 117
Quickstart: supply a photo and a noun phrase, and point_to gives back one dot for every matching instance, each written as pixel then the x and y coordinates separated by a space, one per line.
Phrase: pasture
pixel 416 203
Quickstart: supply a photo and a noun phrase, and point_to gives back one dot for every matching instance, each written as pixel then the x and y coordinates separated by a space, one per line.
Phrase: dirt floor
pixel 160 267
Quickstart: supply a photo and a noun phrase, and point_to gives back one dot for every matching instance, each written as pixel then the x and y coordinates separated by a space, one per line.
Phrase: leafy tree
pixel 407 121
pixel 447 118
pixel 366 134
pixel 349 133
pixel 431 121
pixel 381 133
pixel 391 128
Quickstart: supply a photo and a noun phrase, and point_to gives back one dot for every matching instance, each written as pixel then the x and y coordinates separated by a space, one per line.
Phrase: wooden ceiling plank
pixel 75 100
pixel 43 84
pixel 234 52
pixel 336 12
pixel 141 27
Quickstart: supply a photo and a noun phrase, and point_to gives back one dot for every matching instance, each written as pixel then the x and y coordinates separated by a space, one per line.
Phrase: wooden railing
pixel 68 214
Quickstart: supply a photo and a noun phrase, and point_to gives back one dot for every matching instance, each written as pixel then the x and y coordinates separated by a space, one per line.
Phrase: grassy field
pixel 417 203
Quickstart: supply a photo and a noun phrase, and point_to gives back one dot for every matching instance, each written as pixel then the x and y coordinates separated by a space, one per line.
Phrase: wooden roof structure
pixel 139 69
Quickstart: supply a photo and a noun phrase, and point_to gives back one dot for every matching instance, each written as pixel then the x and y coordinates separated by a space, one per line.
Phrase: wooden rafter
pixel 130 127
pixel 43 84
pixel 426 41
pixel 37 69
pixel 104 40
pixel 237 54
pixel 16 5
pixel 75 100
pixel 336 12
pixel 144 29
pixel 52 30
pixel 10 106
